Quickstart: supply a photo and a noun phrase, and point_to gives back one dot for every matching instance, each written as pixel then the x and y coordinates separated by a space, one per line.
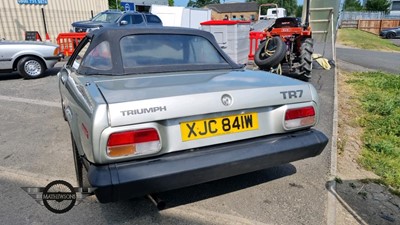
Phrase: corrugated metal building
pixel 19 16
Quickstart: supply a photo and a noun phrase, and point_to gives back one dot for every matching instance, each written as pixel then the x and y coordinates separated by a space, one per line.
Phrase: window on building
pixel 395 6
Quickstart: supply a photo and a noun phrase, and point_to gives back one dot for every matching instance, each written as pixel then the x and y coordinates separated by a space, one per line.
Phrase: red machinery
pixel 287 47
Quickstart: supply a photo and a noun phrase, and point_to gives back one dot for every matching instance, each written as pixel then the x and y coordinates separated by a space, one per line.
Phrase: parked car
pixel 155 109
pixel 116 18
pixel 390 33
pixel 29 58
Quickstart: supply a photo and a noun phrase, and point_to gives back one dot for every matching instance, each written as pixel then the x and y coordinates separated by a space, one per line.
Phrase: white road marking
pixel 30 101
pixel 207 216
pixel 28 178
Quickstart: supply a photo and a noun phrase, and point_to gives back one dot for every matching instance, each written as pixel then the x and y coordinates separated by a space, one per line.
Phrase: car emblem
pixel 226 100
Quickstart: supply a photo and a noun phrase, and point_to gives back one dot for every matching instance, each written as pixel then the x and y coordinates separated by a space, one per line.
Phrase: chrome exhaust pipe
pixel 159 203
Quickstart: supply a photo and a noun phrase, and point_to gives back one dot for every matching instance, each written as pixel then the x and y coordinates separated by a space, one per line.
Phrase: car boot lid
pixel 152 98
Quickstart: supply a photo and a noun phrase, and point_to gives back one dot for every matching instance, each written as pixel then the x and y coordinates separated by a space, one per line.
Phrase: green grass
pixel 364 40
pixel 379 95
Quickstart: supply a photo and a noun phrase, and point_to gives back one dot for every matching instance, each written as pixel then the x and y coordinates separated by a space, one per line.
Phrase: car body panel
pixel 137 178
pixel 395 32
pixel 172 98
pixel 12 51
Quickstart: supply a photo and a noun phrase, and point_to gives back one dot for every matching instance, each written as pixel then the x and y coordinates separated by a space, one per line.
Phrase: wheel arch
pixel 390 33
pixel 15 63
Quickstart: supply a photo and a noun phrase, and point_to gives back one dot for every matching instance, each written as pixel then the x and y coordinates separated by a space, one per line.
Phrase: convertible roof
pixel 114 34
pixel 117 32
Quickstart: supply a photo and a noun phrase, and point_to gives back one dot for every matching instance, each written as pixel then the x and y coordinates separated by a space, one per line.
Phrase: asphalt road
pixel 384 61
pixel 35 150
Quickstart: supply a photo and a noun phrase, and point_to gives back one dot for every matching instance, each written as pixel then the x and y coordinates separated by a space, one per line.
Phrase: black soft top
pixel 114 34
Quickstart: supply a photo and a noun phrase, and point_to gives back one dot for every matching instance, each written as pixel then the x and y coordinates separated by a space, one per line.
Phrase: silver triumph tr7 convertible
pixel 155 109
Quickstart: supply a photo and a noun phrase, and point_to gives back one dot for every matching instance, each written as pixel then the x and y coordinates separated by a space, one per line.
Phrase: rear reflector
pixel 300 117
pixel 135 142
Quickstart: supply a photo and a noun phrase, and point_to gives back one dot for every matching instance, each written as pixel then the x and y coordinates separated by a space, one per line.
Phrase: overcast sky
pixel 184 2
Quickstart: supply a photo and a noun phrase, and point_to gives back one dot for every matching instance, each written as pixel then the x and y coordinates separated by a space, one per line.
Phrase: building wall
pixel 246 15
pixel 148 2
pixel 16 19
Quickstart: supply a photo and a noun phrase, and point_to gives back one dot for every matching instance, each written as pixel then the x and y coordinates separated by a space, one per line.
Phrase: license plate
pixel 197 129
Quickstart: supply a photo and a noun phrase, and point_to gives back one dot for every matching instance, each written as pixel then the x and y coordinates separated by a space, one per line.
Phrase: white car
pixel 29 58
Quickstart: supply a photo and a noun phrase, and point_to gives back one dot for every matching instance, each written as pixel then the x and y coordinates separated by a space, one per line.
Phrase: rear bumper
pixel 138 178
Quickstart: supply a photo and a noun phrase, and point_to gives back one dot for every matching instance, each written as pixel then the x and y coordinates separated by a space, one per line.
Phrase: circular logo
pixel 59 196
pixel 226 100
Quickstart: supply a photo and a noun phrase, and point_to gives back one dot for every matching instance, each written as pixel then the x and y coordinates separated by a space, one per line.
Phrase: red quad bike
pixel 287 49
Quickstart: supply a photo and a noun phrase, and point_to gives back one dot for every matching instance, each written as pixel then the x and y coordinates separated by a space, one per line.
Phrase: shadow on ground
pixel 22 208
pixel 212 189
pixel 15 76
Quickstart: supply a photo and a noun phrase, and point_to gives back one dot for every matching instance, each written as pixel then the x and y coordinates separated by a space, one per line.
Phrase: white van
pixel 276 13
pixel 272 13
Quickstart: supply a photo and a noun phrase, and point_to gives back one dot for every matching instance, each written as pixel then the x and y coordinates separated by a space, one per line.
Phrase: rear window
pixel 144 50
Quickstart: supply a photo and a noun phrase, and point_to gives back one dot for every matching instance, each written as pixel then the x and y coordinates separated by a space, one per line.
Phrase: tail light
pixel 135 142
pixel 300 117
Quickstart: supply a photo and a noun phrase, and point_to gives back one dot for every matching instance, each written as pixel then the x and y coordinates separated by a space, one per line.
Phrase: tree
pixel 201 3
pixel 289 5
pixel 378 5
pixel 352 5
pixel 111 4
pixel 171 2
pixel 299 11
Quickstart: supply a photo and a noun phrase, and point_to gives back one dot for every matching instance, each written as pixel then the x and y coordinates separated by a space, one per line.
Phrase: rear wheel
pixel 303 71
pixel 30 67
pixel 80 169
pixel 270 53
pixel 390 35
pixel 309 41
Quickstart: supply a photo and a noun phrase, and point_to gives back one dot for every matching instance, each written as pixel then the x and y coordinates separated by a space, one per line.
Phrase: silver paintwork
pixel 97 102
pixel 12 51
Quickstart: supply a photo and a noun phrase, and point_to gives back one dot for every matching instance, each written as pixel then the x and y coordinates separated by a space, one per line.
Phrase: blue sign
pixel 33 2
pixel 128 6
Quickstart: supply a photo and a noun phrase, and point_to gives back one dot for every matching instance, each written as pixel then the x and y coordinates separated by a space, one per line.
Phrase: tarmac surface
pixel 36 149
pixel 385 61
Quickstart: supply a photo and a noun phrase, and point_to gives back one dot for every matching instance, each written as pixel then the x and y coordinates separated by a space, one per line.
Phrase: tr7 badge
pixel 292 94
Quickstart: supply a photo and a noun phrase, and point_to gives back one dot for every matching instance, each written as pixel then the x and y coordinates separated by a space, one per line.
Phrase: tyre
pixel 276 53
pixel 80 169
pixel 310 41
pixel 303 71
pixel 30 67
pixel 390 35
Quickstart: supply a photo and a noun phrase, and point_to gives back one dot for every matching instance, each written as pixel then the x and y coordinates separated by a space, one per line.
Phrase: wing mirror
pixel 124 22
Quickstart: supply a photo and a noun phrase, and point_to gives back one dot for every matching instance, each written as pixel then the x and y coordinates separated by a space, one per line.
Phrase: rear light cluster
pixel 134 142
pixel 300 117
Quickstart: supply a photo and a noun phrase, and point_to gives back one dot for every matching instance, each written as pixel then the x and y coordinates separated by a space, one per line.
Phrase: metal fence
pixel 362 15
